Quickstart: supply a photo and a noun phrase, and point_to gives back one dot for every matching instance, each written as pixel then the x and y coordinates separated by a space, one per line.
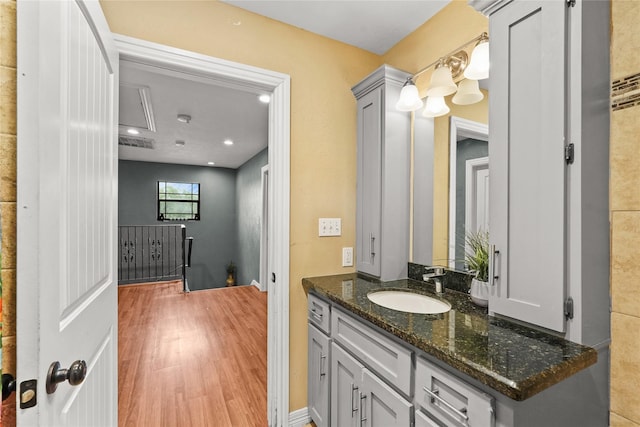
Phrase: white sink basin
pixel 409 302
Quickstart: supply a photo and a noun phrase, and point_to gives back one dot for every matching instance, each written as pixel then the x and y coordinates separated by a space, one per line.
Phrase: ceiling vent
pixel 136 141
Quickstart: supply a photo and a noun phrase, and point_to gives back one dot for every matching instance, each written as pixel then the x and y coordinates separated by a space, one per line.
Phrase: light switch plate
pixel 329 227
pixel 347 257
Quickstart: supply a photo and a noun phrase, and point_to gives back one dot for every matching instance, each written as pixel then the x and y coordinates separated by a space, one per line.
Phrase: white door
pixel 67 214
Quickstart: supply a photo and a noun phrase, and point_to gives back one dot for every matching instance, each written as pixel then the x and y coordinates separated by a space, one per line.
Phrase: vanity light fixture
pixel 228 142
pixel 453 66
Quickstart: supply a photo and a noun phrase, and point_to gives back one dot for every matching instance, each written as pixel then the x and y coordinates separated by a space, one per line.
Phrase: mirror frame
pixel 459 127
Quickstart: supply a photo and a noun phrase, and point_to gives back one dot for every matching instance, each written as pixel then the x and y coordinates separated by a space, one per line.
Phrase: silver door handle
pixel 493 253
pixel 462 413
pixel 363 416
pixel 372 249
pixel 322 357
pixel 354 409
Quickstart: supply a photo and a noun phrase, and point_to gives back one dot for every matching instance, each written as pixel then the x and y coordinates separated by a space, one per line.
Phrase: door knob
pixel 75 374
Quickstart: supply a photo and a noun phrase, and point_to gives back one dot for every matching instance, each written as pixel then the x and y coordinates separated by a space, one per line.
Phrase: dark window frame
pixel 194 200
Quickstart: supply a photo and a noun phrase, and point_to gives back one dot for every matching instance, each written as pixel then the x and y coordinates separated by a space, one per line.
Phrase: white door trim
pixel 253 79
pixel 473 168
pixel 459 128
pixel 264 230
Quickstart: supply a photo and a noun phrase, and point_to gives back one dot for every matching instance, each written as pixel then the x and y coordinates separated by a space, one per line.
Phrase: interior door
pixel 67 215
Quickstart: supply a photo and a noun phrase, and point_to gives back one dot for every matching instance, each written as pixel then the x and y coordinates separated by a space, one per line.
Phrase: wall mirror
pixel 468 184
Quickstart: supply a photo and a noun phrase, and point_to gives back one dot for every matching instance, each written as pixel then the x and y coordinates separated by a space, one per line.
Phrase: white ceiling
pixel 373 25
pixel 219 113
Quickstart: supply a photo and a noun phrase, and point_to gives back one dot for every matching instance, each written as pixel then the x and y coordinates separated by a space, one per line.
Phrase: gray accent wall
pixel 249 208
pixel 215 234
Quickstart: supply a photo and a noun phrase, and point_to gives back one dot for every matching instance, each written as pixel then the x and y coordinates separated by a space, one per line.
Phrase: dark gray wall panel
pixel 215 234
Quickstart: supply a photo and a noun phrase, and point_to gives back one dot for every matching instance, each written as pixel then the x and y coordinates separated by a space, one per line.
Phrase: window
pixel 178 201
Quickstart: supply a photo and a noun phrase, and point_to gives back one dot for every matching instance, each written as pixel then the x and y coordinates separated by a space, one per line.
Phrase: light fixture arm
pixel 481 38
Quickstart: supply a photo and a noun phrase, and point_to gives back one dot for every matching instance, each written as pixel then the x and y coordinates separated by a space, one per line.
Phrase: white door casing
pixel 218 71
pixel 67 209
pixel 476 216
pixel 264 230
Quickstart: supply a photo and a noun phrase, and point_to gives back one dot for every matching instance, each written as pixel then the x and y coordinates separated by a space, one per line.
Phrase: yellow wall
pixel 451 27
pixel 625 224
pixel 8 189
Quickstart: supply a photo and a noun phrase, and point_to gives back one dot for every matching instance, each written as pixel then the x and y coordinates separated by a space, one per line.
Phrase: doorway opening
pixel 244 77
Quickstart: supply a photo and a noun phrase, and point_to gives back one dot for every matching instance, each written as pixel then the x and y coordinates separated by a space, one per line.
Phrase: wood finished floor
pixel 196 359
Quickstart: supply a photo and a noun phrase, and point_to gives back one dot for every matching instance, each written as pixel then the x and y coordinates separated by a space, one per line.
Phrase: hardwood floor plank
pixel 191 360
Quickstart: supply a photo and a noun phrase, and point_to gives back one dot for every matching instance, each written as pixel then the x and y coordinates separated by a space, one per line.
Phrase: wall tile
pixel 625 268
pixel 618 421
pixel 625 152
pixel 625 366
pixel 625 38
pixel 8 215
pixel 8 303
pixel 8 33
pixel 7 100
pixel 8 168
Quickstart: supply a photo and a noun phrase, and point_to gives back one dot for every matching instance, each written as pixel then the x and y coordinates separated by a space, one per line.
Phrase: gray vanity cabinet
pixel 548 121
pixel 319 360
pixel 383 168
pixel 346 384
pixel 318 377
pixel 360 398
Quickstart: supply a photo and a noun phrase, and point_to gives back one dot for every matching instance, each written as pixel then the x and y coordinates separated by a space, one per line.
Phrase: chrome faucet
pixel 434 274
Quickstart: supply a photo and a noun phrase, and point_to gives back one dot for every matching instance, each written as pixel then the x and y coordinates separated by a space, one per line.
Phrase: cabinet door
pixel 381 406
pixel 346 386
pixel 527 165
pixel 318 377
pixel 368 201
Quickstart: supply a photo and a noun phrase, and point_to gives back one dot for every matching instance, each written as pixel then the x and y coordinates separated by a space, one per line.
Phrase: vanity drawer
pixel 450 400
pixel 385 357
pixel 319 313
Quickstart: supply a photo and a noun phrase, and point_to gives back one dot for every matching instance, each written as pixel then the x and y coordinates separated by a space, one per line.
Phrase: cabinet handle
pixel 372 239
pixel 315 314
pixel 493 253
pixel 322 358
pixel 462 413
pixel 363 416
pixel 354 409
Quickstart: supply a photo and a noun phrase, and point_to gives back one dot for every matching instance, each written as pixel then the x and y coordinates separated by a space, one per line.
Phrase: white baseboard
pixel 256 284
pixel 299 418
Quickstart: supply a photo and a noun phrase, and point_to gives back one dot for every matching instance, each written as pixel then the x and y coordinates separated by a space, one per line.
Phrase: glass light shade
pixel 441 82
pixel 435 107
pixel 478 67
pixel 409 98
pixel 468 93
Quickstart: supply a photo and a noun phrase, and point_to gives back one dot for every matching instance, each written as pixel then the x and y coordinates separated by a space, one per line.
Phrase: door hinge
pixel 569 153
pixel 568 308
pixel 571 3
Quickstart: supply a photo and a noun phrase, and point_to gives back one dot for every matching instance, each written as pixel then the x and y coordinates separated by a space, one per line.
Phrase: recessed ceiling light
pixel 228 142
pixel 211 163
pixel 132 131
pixel 180 143
pixel 264 98
pixel 184 118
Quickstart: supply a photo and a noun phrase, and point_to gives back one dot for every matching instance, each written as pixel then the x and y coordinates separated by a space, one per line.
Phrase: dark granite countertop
pixel 513 359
